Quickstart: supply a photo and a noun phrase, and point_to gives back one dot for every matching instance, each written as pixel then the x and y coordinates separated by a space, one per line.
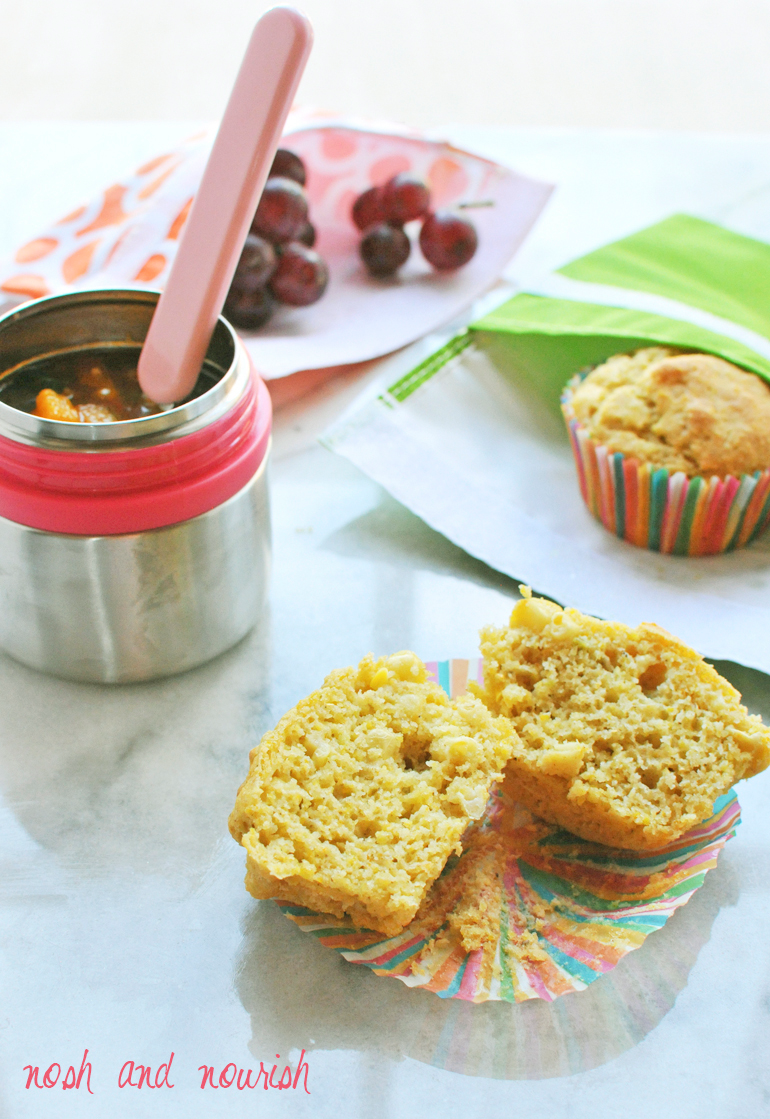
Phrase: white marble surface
pixel 123 921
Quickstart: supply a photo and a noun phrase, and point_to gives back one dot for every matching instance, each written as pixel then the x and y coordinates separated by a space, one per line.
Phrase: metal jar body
pixel 125 606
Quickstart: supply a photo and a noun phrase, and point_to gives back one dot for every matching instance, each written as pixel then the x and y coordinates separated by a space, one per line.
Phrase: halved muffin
pixel 625 736
pixel 355 801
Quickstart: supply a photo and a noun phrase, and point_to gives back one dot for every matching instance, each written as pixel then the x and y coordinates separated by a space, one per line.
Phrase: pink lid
pixel 104 492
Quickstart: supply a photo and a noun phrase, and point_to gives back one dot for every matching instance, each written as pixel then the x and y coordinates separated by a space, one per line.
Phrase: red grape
pixel 300 277
pixel 306 234
pixel 404 199
pixel 282 210
pixel 288 165
pixel 257 263
pixel 384 248
pixel 248 308
pixel 367 209
pixel 447 241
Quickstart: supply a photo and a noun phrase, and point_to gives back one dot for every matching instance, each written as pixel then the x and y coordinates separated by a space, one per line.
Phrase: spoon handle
pixel 224 205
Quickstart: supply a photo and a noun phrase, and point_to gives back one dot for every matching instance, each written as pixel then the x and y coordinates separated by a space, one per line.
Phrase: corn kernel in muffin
pixel 626 736
pixel 686 412
pixel 355 801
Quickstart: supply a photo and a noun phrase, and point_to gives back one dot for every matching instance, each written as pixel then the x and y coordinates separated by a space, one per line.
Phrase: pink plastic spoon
pixel 224 206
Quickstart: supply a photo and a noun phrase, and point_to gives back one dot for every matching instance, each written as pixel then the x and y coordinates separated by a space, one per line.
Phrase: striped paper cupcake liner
pixel 664 511
pixel 547 912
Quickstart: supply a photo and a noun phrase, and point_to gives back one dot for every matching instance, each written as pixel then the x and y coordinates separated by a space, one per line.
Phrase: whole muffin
pixel 672 450
pixel 686 412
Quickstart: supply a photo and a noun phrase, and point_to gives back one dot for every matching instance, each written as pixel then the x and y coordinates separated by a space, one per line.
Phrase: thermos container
pixel 135 549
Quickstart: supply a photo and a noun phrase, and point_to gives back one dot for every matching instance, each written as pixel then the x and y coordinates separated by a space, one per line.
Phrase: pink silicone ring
pixel 106 493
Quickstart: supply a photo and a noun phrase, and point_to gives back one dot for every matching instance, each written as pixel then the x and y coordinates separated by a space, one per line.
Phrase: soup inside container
pixel 136 548
pixel 103 321
pixel 90 384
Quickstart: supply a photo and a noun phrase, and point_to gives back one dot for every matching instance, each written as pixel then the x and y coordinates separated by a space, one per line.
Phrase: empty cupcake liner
pixel 542 912
pixel 655 508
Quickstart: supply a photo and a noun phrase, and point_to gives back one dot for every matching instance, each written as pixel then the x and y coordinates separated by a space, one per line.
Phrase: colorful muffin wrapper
pixel 556 911
pixel 664 511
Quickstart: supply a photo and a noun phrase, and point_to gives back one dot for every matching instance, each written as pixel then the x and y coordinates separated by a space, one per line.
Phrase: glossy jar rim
pixel 179 420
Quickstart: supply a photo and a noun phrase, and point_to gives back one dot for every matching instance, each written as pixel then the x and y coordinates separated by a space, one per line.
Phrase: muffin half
pixel 625 736
pixel 355 801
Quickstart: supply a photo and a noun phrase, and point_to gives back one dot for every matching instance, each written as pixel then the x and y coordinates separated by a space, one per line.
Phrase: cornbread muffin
pixel 355 801
pixel 682 411
pixel 626 736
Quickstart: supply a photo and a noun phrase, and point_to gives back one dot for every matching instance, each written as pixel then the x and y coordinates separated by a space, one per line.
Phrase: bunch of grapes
pixel 278 263
pixel 446 240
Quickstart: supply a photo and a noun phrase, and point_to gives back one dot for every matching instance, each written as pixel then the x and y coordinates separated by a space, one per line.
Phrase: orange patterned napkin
pixel 128 235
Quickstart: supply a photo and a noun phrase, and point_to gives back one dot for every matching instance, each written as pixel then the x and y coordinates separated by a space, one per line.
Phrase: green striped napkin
pixel 464 441
pixel 683 282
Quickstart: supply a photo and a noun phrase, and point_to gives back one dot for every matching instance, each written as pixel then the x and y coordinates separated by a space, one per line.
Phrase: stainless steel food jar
pixel 135 549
